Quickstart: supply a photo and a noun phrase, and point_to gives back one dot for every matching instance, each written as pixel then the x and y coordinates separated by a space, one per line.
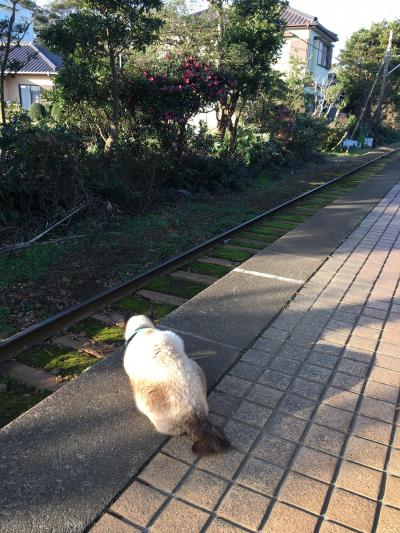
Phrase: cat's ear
pixel 151 312
pixel 126 316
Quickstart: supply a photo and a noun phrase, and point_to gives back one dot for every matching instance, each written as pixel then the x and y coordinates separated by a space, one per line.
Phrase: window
pixel 29 94
pixel 324 55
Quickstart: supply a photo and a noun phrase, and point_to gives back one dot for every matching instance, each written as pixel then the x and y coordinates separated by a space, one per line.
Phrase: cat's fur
pixel 169 388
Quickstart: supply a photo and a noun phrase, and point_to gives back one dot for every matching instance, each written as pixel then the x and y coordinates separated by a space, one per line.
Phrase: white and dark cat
pixel 169 388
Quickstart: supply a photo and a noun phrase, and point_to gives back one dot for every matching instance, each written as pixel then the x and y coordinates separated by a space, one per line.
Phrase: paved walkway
pixel 311 409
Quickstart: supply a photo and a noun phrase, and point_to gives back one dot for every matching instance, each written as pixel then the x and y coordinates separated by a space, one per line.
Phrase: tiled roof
pixel 35 58
pixel 296 18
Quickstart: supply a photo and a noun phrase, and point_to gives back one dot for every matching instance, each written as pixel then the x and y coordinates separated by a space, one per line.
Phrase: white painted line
pixel 269 276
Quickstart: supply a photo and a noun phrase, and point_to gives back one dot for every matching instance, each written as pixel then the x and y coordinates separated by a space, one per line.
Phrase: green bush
pixel 37 112
pixel 56 112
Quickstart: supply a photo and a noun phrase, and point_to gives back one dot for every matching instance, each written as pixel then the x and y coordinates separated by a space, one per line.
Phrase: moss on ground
pixel 224 252
pixel 17 399
pixel 292 217
pixel 249 235
pixel 265 230
pixel 176 287
pixel 69 363
pixel 247 244
pixel 97 331
pixel 208 269
pixel 140 306
pixel 280 224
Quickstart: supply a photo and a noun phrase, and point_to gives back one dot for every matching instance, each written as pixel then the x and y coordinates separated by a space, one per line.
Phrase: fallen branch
pixel 18 246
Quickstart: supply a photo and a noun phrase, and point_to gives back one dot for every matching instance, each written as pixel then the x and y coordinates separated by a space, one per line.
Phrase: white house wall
pixel 12 84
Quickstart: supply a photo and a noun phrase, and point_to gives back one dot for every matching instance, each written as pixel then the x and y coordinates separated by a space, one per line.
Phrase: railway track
pixel 58 349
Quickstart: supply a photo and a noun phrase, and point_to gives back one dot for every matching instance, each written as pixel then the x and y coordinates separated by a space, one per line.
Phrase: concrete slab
pixel 62 462
pixel 234 310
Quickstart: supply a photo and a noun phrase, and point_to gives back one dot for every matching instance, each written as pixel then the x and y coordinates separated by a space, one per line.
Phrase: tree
pixel 11 35
pixel 92 40
pixel 360 69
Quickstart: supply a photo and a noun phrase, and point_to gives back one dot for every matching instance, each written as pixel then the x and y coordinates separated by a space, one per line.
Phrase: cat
pixel 169 388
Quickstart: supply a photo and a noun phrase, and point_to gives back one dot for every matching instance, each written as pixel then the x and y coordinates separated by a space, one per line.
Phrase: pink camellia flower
pixel 151 78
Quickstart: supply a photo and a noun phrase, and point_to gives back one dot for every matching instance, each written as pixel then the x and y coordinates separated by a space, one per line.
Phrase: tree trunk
pixel 115 111
pixel 5 61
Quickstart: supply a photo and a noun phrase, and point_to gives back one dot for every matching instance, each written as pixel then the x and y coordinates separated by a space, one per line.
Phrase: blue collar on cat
pixel 135 333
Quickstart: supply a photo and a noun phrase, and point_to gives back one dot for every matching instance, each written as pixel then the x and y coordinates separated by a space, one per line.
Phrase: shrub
pixel 56 112
pixel 37 112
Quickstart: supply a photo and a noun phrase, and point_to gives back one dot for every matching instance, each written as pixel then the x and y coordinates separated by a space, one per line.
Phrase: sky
pixel 344 17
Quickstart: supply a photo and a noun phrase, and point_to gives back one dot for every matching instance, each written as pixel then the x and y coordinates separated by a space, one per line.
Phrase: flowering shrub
pixel 178 89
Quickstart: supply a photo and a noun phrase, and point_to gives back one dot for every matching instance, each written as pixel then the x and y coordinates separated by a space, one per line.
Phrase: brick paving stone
pixel 366 452
pixel 253 414
pixel 274 450
pixel 315 373
pixel 341 399
pixel 362 342
pixel 138 503
pixel 355 368
pixel 246 371
pixel 328 347
pixel 380 391
pixel 164 472
pixel 336 337
pixel 325 439
pixel 234 386
pixel 366 332
pixel 286 365
pixel 359 479
pixel 260 476
pixel 331 527
pixel 257 358
pixel 287 427
pixel 264 395
pixel 315 464
pixel 389 349
pixel 389 520
pixel 386 361
pixel 287 519
pixel 356 354
pixel 322 359
pixel 384 375
pixel 275 334
pixel 334 418
pixel 108 523
pixel 394 462
pixel 222 404
pixel 202 489
pixel 392 492
pixel 351 510
pixel 171 519
pixel 218 525
pixel 294 352
pixel 180 448
pixel 396 440
pixel 374 313
pixel 306 388
pixel 243 507
pixel 297 406
pixel 267 345
pixel 225 465
pixel 302 340
pixel 377 409
pixel 371 322
pixel 274 379
pixel 347 382
pixel 241 435
pixel 304 492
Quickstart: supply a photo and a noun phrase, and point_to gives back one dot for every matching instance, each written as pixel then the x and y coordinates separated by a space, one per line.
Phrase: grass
pixel 5 325
pixel 17 399
pixel 176 287
pixel 141 306
pixel 223 252
pixel 49 358
pixel 247 244
pixel 97 331
pixel 250 235
pixel 280 224
pixel 218 271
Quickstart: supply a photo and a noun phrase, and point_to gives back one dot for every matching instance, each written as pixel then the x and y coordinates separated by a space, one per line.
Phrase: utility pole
pixel 378 112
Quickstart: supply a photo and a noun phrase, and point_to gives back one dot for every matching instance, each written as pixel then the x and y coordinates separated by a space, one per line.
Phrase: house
pixel 36 66
pixel 308 40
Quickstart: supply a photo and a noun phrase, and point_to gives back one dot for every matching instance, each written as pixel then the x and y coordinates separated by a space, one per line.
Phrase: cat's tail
pixel 206 438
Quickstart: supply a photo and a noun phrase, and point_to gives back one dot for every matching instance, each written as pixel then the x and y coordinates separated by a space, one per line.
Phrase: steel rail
pixel 47 328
